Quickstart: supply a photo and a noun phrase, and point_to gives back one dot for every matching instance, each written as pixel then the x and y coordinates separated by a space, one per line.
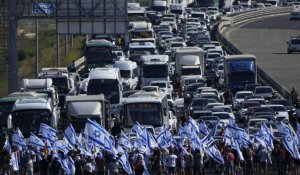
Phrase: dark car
pixel 200 103
pixel 196 114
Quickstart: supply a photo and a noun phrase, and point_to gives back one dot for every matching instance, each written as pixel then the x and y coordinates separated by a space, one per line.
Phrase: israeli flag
pixel 120 150
pixel 125 164
pixel 7 145
pixel 235 146
pixel 15 161
pixel 64 165
pixel 60 145
pixel 137 128
pixel 194 125
pixel 71 165
pixel 35 141
pixel 207 141
pixel 215 154
pixel 283 129
pixel 298 128
pixel 227 136
pixel 18 139
pixel 151 142
pixel 47 132
pixel 162 141
pixel 232 123
pixel 95 134
pixel 291 146
pixel 261 141
pixel 196 142
pixel 70 135
pixel 125 142
pixel 203 128
pixel 213 130
pixel 108 146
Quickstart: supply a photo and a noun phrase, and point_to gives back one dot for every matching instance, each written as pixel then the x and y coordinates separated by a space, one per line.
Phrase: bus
pixel 98 53
pixel 239 70
pixel 147 108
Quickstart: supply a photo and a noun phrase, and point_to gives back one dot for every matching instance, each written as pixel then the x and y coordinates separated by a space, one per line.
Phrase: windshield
pixel 192 20
pixel 61 83
pixel 263 90
pixel 30 120
pixel 281 102
pixel 144 113
pixel 142 50
pixel 176 11
pixel 159 84
pixel 195 15
pixel 106 87
pixel 177 45
pixel 242 77
pixel 142 34
pixel 201 102
pixel 5 110
pixel 193 88
pixel 295 41
pixel 125 73
pixel 191 71
pixel 262 109
pixel 222 116
pixel 161 71
pixel 279 108
pixel 247 105
pixel 243 95
pixel 94 54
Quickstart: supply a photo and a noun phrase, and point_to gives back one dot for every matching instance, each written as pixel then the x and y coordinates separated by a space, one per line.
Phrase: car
pixel 252 123
pixel 191 89
pixel 288 105
pixel 281 113
pixel 164 85
pixel 225 108
pixel 244 107
pixel 260 101
pixel 210 95
pixel 293 44
pixel 296 12
pixel 265 91
pixel 211 105
pixel 240 97
pixel 251 111
pixel 209 120
pixel 200 103
pixel 223 116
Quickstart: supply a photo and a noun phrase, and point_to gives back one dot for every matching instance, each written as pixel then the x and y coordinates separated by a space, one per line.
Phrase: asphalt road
pixel 266 38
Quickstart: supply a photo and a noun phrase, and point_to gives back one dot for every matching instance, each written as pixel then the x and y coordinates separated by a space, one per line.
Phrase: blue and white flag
pixel 60 145
pixel 261 141
pixel 137 128
pixel 64 165
pixel 196 141
pixel 96 134
pixel 162 141
pixel 151 142
pixel 232 123
pixel 213 130
pixel 7 145
pixel 207 142
pixel 120 150
pixel 18 139
pixel 215 154
pixel 240 135
pixel 125 164
pixel 70 135
pixel 108 146
pixel 125 142
pixel 291 146
pixel 283 129
pixel 15 161
pixel 70 164
pixel 47 132
pixel 203 128
pixel 194 125
pixel 35 141
pixel 227 136
pixel 236 146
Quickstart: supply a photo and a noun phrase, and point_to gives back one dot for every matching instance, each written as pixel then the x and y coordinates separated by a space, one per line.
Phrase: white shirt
pixel 171 160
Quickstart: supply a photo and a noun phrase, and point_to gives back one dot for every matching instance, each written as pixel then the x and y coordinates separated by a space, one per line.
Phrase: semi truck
pixel 189 61
pixel 80 108
pixel 239 70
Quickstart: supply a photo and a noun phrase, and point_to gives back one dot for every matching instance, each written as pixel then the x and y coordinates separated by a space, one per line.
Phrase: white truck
pixel 80 108
pixel 154 68
pixel 189 61
pixel 129 74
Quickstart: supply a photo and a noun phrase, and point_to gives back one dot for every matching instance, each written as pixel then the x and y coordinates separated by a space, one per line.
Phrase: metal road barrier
pixel 232 19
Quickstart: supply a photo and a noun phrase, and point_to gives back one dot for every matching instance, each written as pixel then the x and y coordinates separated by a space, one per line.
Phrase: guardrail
pixel 228 21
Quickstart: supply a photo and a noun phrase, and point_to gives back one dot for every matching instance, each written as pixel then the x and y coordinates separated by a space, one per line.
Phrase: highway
pixel 266 38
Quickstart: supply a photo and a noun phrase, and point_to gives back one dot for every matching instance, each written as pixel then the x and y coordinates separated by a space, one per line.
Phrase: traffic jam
pixel 166 98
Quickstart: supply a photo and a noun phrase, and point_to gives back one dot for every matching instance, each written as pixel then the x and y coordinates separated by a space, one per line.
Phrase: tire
pixel 289 52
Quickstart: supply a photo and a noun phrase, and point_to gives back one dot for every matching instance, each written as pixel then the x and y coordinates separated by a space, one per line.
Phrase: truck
pixel 7 103
pixel 140 29
pixel 129 74
pixel 159 5
pixel 80 108
pixel 106 81
pixel 62 80
pixel 239 70
pixel 178 10
pixel 147 108
pixel 159 63
pixel 189 61
pixel 29 113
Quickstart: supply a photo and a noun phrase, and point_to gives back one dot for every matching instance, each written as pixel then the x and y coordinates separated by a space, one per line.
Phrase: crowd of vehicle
pixel 165 98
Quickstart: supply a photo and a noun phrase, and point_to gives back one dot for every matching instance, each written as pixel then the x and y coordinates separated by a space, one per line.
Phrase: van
pixel 129 74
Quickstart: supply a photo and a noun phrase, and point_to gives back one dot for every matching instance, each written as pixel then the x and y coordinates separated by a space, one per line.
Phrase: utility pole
pixel 12 47
pixel 37 46
pixel 57 51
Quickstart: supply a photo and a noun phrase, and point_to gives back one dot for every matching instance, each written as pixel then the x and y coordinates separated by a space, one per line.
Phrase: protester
pixel 171 163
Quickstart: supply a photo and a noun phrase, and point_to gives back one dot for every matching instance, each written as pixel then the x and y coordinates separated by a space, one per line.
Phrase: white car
pixel 280 112
pixel 252 123
pixel 240 97
pixel 294 44
pixel 164 85
pixel 226 108
pixel 223 116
